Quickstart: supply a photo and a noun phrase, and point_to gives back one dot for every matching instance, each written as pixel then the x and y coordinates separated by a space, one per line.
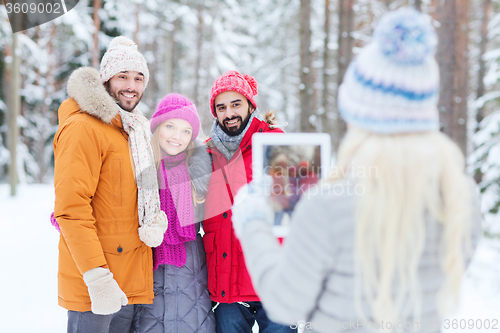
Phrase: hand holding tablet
pixel 293 163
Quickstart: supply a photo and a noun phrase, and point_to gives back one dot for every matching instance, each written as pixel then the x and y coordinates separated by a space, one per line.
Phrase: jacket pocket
pixel 209 244
pixel 244 286
pixel 128 259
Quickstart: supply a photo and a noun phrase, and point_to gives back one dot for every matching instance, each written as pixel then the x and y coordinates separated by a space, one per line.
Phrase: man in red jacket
pixel 233 105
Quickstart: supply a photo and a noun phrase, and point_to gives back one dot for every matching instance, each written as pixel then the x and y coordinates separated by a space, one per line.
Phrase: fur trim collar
pixel 86 88
pixel 271 118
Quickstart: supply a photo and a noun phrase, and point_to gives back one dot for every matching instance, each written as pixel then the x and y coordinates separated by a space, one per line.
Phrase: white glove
pixel 105 294
pixel 251 203
pixel 152 233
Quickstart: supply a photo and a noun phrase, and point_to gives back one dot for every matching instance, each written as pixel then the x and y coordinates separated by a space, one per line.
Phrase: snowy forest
pixel 298 51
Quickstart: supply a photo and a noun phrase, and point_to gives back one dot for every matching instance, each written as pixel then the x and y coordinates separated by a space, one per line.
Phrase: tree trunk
pixel 206 118
pixel 176 55
pixel 435 5
pixel 453 62
pixel 97 28
pixel 137 25
pixel 306 74
pixel 478 176
pixel 169 61
pixel 482 50
pixel 344 54
pixel 199 46
pixel 14 106
pixel 44 131
pixel 418 5
pixel 316 96
pixel 326 104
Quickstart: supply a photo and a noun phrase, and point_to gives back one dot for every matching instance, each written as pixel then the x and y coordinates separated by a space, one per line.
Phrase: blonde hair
pixel 155 144
pixel 418 175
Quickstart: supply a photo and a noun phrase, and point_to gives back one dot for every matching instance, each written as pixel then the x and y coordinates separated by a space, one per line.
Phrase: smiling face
pixel 233 112
pixel 174 135
pixel 127 89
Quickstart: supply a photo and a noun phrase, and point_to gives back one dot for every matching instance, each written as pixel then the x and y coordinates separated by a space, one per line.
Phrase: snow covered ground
pixel 28 261
pixel 479 308
pixel 28 275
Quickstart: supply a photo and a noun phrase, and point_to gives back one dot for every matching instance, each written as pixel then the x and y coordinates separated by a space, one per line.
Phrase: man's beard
pixel 235 131
pixel 126 107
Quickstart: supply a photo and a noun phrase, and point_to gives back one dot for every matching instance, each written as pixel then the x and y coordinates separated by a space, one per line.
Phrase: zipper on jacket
pixel 227 186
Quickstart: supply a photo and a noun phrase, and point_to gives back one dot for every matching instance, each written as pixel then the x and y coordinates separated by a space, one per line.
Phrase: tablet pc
pixel 295 162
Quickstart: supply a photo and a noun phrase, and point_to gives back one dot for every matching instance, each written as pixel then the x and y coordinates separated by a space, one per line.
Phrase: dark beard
pixel 239 130
pixel 117 101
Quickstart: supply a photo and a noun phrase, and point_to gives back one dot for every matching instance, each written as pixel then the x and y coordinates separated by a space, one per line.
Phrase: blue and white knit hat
pixel 392 86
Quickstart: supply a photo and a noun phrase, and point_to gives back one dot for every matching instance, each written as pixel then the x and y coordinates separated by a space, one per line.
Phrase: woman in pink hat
pixel 184 167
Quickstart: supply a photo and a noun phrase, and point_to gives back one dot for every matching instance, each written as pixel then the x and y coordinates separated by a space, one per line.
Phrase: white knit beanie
pixel 122 55
pixel 392 86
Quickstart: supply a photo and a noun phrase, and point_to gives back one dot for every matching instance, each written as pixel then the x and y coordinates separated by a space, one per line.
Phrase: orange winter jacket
pixel 96 197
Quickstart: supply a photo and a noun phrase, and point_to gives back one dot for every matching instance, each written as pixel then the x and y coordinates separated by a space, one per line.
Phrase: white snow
pixel 28 247
pixel 28 278
pixel 480 292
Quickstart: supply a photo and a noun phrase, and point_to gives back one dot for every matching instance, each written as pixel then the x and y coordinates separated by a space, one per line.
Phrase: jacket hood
pixel 86 89
pixel 271 118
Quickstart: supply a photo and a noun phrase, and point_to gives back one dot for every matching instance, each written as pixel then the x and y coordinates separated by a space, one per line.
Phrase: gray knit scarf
pixel 225 143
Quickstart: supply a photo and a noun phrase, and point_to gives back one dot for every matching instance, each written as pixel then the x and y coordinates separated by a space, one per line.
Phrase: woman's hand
pixel 252 203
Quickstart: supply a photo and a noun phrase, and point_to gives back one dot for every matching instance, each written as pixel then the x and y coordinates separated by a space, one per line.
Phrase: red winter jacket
pixel 228 279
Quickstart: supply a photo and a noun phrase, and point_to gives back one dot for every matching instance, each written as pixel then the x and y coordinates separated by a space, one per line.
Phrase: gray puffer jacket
pixel 182 303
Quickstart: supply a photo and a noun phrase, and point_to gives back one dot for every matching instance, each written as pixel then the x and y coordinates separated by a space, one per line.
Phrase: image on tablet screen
pixel 293 168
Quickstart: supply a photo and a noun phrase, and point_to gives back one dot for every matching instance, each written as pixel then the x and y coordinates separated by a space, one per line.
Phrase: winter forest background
pixel 298 50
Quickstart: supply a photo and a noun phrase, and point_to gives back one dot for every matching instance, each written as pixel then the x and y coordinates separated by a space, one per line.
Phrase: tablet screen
pixel 295 162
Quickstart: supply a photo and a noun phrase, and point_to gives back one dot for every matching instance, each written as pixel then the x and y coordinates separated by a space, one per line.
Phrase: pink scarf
pixel 177 202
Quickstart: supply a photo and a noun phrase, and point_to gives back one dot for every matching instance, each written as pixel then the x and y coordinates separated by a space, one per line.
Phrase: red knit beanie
pixel 234 81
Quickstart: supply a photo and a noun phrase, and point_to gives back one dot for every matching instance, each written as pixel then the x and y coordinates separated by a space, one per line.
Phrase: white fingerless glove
pixel 105 294
pixel 152 233
pixel 252 203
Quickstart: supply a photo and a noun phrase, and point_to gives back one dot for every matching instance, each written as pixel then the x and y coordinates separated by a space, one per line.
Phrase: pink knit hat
pixel 176 106
pixel 234 81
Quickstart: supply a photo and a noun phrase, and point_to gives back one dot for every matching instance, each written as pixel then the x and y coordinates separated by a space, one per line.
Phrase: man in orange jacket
pixel 108 215
pixel 233 107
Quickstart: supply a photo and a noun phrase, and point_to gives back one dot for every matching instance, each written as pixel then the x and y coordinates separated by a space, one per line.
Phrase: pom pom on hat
pixel 406 37
pixel 176 106
pixel 122 41
pixel 251 82
pixel 392 86
pixel 122 56
pixel 233 81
